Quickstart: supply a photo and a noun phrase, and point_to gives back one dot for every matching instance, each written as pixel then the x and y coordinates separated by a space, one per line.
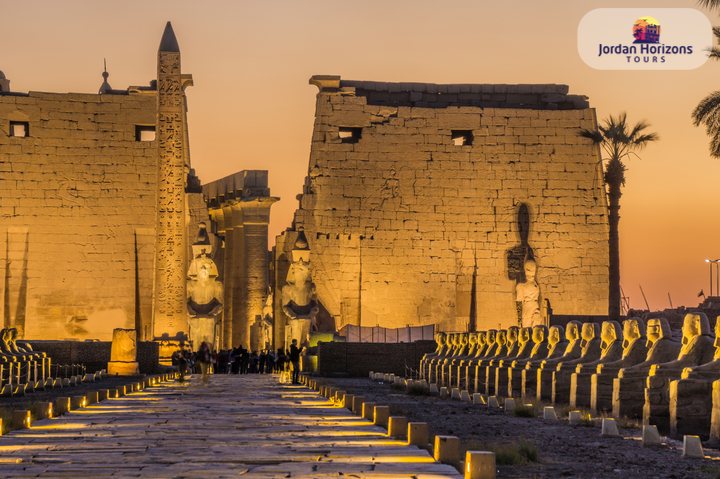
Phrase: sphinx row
pixel 21 368
pixel 631 370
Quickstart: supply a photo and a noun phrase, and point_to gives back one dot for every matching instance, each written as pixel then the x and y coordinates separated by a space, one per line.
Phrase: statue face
pixel 572 333
pixel 299 272
pixel 608 332
pixel 530 268
pixel 538 334
pixel 512 334
pixel 472 339
pixel 554 335
pixel 524 335
pixel 588 331
pixel 717 334
pixel 631 331
pixel 491 336
pixel 501 337
pixel 482 338
pixel 654 330
pixel 691 327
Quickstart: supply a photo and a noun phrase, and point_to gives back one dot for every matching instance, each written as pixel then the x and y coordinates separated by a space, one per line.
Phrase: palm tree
pixel 707 112
pixel 618 141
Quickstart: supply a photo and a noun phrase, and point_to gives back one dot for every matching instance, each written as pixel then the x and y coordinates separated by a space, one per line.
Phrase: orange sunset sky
pixel 252 108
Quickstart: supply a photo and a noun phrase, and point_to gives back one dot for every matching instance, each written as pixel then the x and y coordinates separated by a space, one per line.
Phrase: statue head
pixel 657 328
pixel 501 337
pixel 530 269
pixel 539 333
pixel 455 339
pixel 491 336
pixel 590 331
pixel 299 273
pixel 633 328
pixel 473 339
pixel 512 334
pixel 13 334
pixel 717 333
pixel 482 338
pixel 441 338
pixel 611 332
pixel 695 324
pixel 557 335
pixel 572 330
pixel 524 335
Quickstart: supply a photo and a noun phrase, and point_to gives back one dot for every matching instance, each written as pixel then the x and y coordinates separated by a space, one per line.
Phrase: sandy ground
pixel 564 451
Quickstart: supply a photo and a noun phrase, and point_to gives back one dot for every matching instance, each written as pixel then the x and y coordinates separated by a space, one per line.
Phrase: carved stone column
pixel 228 279
pixel 256 217
pixel 237 272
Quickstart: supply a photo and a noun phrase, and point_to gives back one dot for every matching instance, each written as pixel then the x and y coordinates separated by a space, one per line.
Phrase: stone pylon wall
pixel 77 209
pixel 399 217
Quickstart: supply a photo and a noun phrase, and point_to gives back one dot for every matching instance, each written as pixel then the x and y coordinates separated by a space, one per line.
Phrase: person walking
pixel 204 360
pixel 295 361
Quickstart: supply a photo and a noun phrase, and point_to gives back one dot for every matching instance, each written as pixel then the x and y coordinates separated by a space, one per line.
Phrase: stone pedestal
pixel 656 410
pixel 121 368
pixel 561 386
pixel 501 381
pixel 543 384
pixel 601 391
pixel 629 397
pixel 480 375
pixel 580 389
pixel 470 377
pixel 490 378
pixel 691 405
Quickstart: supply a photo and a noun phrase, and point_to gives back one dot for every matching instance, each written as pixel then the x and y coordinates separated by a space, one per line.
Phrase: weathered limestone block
pixel 502 373
pixel 543 370
pixel 123 353
pixel 697 350
pixel 499 349
pixel 634 352
pixel 512 346
pixel 629 387
pixel 590 353
pixel 714 440
pixel 691 396
pixel 612 350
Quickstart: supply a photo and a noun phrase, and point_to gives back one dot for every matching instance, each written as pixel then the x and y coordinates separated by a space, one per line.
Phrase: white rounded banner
pixel 644 38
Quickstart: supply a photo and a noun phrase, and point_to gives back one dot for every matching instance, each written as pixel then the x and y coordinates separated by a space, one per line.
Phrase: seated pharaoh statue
pixel 611 350
pixel 634 352
pixel 691 399
pixel 697 349
pixel 628 397
pixel 481 368
pixel 299 295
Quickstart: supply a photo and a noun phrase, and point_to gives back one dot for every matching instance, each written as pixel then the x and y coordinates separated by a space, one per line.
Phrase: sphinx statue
pixel 629 386
pixel 6 353
pixel 611 350
pixel 457 369
pixel 697 349
pixel 543 370
pixel 299 295
pixel 512 346
pixel 498 351
pixel 440 345
pixel 436 364
pixel 468 381
pixel 204 293
pixel 634 352
pixel 487 352
pixel 463 340
pixel 591 350
pixel 441 342
pixel 538 351
pixel 692 397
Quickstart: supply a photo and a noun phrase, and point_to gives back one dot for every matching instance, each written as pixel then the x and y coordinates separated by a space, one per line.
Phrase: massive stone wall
pixel 414 192
pixel 77 202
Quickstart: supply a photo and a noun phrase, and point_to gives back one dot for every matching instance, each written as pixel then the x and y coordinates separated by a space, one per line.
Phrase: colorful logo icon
pixel 646 30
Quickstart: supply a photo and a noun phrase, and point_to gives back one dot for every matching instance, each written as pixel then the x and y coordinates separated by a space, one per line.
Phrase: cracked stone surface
pixel 247 425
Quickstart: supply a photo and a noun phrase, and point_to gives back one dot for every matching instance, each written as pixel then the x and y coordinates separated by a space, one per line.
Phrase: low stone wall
pixel 358 359
pixel 96 354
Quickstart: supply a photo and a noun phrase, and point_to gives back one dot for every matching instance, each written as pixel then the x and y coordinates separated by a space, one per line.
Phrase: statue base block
pixel 122 368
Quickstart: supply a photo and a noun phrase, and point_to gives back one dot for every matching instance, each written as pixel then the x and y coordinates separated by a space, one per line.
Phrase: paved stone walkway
pixel 248 426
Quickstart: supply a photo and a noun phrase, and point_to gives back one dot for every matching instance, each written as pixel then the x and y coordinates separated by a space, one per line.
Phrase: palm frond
pixel 716 32
pixel 711 4
pixel 708 110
